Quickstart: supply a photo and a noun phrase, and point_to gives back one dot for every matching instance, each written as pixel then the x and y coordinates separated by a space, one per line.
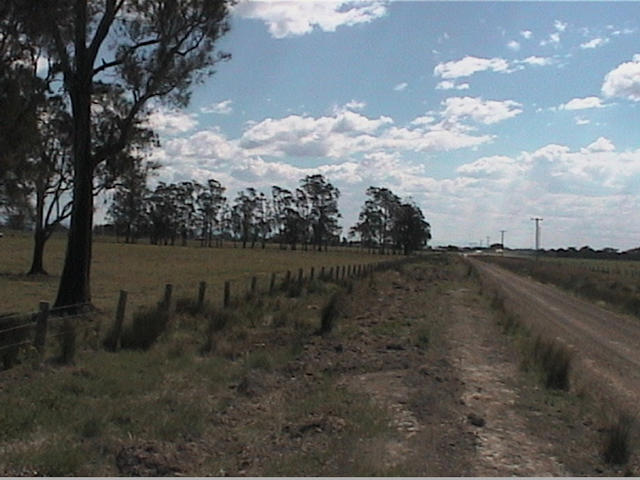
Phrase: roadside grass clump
pixel 189 306
pixel 422 337
pixel 617 440
pixel 218 320
pixel 294 289
pixel 146 326
pixel 330 313
pixel 553 360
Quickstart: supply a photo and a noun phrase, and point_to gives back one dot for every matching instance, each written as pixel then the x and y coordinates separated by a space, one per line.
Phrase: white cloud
pixel 292 18
pixel 594 43
pixel 560 26
pixel 492 167
pixel 553 39
pixel 401 86
pixel 624 80
pixel 449 85
pixel 582 103
pixel 537 61
pixel 223 108
pixel 355 105
pixel 602 144
pixel 470 65
pixel 171 122
pixel 526 34
pixel 581 120
pixel 479 110
pixel 513 45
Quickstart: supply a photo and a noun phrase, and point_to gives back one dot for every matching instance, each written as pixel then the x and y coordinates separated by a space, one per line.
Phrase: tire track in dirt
pixel 605 343
pixel 504 446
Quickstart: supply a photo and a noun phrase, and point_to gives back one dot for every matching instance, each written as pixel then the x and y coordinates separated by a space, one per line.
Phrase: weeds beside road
pixel 410 376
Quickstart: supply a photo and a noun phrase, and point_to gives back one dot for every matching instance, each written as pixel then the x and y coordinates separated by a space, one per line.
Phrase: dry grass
pixel 144 269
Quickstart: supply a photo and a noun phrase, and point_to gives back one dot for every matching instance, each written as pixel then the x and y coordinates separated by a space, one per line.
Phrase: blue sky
pixel 484 113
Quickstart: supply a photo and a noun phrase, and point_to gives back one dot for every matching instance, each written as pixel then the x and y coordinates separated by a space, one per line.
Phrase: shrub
pixel 617 441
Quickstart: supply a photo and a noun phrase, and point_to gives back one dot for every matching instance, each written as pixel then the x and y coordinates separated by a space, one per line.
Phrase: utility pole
pixel 537 220
pixel 488 241
pixel 502 238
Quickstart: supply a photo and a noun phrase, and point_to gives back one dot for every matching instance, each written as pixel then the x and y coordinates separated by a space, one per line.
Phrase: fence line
pixel 46 321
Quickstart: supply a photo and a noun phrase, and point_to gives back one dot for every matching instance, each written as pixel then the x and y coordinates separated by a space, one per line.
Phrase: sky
pixel 485 114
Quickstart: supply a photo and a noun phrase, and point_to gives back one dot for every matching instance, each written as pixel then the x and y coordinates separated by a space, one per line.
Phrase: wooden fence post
pixel 344 271
pixel 322 273
pixel 117 326
pixel 166 301
pixel 300 275
pixel 202 288
pixel 41 329
pixel 254 285
pixel 311 273
pixel 272 284
pixel 331 273
pixel 227 294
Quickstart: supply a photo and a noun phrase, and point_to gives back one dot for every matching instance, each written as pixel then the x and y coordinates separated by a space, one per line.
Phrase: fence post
pixel 344 271
pixel 300 275
pixel 322 273
pixel 227 294
pixel 117 326
pixel 272 284
pixel 311 273
pixel 331 273
pixel 254 285
pixel 41 329
pixel 166 301
pixel 202 288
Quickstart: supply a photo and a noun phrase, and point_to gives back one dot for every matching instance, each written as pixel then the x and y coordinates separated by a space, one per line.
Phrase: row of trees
pixel 178 211
pixel 307 216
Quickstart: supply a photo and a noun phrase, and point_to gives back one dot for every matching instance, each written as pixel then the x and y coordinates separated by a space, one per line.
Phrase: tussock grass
pixel 554 362
pixel 145 328
pixel 617 440
pixel 330 313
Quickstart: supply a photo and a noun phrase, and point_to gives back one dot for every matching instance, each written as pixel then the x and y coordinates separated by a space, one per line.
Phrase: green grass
pixel 143 270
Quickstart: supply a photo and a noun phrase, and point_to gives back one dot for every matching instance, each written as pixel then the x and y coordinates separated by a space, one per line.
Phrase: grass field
pixel 143 270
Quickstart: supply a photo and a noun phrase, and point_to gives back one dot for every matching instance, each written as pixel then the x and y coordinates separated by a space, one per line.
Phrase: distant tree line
pixel 306 217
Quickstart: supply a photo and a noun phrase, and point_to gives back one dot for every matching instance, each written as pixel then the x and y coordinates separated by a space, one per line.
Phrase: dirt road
pixel 605 344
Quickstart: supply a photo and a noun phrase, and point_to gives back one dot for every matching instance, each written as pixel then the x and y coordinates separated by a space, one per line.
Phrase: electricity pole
pixel 502 238
pixel 537 220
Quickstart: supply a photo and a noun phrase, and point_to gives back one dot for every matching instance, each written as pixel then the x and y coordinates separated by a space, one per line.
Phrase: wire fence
pixel 19 331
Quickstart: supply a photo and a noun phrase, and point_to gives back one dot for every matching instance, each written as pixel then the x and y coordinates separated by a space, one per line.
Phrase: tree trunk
pixel 74 285
pixel 39 237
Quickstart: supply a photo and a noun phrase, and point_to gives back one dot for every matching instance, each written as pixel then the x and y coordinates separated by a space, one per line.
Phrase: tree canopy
pixel 118 58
